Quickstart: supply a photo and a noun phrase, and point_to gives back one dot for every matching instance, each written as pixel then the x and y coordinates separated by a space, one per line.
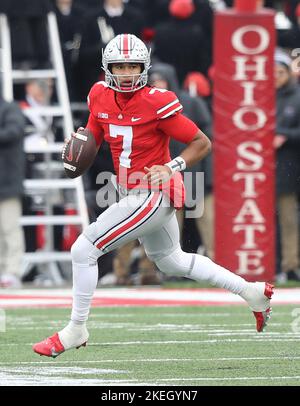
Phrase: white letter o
pixel 237 39
pixel 239 122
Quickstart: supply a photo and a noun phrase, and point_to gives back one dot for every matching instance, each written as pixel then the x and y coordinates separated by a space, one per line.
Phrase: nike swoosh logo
pixel 135 119
pixel 70 155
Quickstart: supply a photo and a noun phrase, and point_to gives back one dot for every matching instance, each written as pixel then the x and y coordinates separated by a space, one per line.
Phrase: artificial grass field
pixel 156 346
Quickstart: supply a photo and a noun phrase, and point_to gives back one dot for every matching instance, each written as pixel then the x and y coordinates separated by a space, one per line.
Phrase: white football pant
pixel 148 217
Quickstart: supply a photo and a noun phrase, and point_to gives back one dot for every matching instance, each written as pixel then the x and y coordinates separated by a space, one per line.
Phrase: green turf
pixel 156 346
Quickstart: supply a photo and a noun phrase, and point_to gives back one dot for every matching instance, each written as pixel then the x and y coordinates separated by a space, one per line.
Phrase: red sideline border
pixel 152 297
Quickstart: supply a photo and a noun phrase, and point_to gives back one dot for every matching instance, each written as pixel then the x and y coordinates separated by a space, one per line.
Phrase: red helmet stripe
pixel 125 45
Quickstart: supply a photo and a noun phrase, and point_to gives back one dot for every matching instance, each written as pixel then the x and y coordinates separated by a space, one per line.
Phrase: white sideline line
pixel 108 361
pixel 240 378
pixel 50 381
pixel 94 325
pixel 196 313
pixel 65 371
pixel 212 332
pixel 228 340
pixel 266 335
pixel 258 338
pixel 190 331
pixel 62 371
pixel 283 296
pixel 215 341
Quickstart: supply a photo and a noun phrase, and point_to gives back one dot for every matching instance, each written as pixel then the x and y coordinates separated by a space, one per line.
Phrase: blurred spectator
pixel 164 76
pixel 267 3
pixel 290 9
pixel 180 41
pixel 291 38
pixel 287 144
pixel 122 264
pixel 100 26
pixel 156 11
pixel 11 189
pixel 29 36
pixel 218 5
pixel 69 20
pixel 88 4
pixel 38 93
pixel 132 266
pixel 204 17
pixel 197 85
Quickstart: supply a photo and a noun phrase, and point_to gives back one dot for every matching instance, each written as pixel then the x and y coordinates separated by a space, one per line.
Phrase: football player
pixel 137 121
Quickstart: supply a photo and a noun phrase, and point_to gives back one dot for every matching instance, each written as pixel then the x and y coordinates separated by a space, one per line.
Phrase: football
pixel 79 153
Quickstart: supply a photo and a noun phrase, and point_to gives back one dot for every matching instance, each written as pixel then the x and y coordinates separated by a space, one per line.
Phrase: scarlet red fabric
pixel 179 127
pixel 139 131
pixel 96 129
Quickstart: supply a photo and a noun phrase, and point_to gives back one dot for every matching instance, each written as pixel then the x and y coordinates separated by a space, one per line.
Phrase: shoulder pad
pixel 165 102
pixel 96 90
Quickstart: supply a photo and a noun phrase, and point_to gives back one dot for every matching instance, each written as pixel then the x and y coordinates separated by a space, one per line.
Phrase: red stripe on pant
pixel 131 223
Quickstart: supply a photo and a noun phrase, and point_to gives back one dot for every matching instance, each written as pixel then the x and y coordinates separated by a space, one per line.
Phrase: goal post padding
pixel 243 155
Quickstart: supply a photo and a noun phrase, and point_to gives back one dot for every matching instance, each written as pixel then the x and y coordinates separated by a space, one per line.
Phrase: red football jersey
pixel 138 128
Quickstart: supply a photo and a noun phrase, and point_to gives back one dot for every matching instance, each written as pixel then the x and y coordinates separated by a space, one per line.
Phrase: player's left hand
pixel 157 174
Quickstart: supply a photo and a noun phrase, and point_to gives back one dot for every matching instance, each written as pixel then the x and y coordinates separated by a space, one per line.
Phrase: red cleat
pixel 50 347
pixel 258 296
pixel 263 316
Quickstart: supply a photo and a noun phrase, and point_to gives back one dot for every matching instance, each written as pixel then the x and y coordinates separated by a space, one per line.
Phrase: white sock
pixel 200 268
pixel 74 334
pixel 204 269
pixel 85 279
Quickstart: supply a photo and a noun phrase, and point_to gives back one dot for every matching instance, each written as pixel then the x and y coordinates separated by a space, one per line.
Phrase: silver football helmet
pixel 126 48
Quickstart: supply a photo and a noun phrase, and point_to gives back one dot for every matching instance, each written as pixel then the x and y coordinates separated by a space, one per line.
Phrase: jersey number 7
pixel 127 133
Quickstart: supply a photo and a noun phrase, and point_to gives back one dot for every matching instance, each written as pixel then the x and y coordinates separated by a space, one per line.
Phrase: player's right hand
pixel 157 174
